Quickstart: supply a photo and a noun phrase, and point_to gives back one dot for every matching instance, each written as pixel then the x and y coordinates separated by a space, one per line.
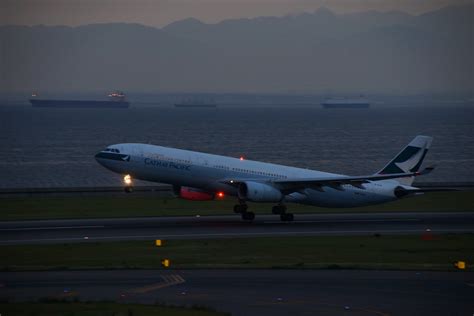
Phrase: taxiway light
pixel 127 179
pixel 158 243
pixel 165 263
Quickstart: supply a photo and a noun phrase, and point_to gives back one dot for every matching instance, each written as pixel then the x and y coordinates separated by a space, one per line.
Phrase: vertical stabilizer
pixel 409 159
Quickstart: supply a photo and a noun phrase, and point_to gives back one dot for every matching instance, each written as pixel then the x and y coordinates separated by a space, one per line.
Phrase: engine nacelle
pixel 193 194
pixel 403 191
pixel 259 192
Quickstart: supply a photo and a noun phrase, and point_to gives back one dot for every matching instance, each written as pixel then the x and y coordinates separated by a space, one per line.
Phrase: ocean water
pixel 56 147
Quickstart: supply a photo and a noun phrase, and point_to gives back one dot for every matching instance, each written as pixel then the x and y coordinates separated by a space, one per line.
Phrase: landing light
pixel 127 179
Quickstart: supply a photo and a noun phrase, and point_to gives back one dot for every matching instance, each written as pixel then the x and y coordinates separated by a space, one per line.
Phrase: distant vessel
pixel 196 104
pixel 116 100
pixel 340 103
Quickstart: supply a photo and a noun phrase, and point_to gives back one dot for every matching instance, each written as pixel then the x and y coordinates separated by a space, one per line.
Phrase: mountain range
pixel 368 52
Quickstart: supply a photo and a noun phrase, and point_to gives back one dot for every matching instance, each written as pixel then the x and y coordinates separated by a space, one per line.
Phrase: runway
pixel 249 292
pixel 259 292
pixel 145 228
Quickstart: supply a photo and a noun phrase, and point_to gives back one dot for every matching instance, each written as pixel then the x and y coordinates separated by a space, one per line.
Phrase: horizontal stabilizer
pixel 402 192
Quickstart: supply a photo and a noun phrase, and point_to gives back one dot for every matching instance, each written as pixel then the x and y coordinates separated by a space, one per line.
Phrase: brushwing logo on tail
pixel 412 162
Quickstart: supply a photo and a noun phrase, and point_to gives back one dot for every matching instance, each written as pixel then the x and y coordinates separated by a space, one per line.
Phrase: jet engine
pixel 193 194
pixel 403 191
pixel 259 192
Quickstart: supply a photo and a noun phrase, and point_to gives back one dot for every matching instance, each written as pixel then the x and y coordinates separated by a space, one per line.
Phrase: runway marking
pixel 168 280
pixel 210 235
pixel 52 227
pixel 264 222
pixel 348 221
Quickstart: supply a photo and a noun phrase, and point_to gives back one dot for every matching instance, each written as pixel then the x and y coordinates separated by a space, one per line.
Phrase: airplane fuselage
pixel 206 172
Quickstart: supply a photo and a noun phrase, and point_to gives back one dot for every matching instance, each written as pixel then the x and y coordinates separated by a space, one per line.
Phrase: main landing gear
pixel 241 208
pixel 284 216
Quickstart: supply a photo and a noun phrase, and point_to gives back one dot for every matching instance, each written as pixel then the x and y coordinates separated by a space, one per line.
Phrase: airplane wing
pixel 292 185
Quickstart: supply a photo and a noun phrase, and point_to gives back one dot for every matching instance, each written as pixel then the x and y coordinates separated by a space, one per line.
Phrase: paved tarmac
pixel 144 228
pixel 259 292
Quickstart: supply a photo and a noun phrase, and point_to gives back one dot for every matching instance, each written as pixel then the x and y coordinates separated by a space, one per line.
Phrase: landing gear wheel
pixel 240 208
pixel 287 217
pixel 237 209
pixel 248 216
pixel 279 209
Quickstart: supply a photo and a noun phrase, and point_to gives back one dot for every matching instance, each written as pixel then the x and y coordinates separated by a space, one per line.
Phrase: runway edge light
pixel 158 243
pixel 165 263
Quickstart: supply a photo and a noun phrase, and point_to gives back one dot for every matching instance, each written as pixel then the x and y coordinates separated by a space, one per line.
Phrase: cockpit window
pixel 113 150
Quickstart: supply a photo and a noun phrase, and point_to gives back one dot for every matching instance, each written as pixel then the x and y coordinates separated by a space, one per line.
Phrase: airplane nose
pixel 97 157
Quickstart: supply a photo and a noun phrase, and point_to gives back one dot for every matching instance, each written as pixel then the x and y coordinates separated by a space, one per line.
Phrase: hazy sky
pixel 163 12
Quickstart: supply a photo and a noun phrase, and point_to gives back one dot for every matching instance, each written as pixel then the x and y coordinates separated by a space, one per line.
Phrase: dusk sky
pixel 325 51
pixel 162 12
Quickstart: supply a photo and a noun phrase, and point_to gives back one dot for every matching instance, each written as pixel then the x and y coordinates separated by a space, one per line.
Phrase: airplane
pixel 200 176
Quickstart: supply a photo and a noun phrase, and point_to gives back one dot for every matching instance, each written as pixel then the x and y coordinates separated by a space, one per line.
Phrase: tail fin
pixel 409 159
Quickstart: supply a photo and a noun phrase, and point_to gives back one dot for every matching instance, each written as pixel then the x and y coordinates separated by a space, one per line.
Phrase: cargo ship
pixel 116 100
pixel 346 104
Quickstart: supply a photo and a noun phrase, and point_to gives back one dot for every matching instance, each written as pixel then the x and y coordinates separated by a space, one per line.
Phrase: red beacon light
pixel 241 157
pixel 220 195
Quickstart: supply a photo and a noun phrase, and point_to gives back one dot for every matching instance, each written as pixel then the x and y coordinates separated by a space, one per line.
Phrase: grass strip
pixel 136 206
pixel 100 308
pixel 407 252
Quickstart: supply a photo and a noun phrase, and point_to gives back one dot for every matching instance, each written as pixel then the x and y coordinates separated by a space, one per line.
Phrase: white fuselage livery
pixel 214 173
